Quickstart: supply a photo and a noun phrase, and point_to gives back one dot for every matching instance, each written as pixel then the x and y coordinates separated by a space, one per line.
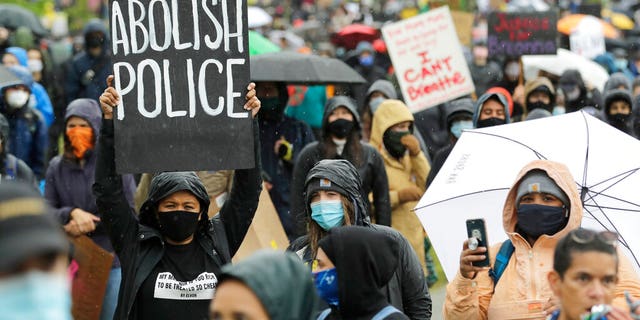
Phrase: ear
pixel 554 282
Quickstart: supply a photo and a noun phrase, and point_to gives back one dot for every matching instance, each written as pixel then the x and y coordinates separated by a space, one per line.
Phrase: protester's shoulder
pixel 298 244
pixel 55 162
pixel 389 231
pixel 293 122
pixel 312 148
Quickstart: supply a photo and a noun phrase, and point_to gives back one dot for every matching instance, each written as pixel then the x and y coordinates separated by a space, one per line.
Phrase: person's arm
pixel 61 214
pixel 40 145
pixel 627 281
pixel 420 167
pixel 238 212
pixel 113 207
pixel 469 293
pixel 71 83
pixel 416 300
pixel 380 188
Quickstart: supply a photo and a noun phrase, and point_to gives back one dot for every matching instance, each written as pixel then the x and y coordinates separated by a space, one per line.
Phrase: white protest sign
pixel 202 287
pixel 587 39
pixel 428 59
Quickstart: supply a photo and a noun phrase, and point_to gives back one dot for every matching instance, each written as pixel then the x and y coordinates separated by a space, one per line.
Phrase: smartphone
pixel 476 229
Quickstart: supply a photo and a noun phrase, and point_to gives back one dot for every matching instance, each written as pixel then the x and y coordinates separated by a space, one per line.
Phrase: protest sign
pixel 587 39
pixel 90 279
pixel 428 59
pixel 463 22
pixel 515 34
pixel 265 232
pixel 181 68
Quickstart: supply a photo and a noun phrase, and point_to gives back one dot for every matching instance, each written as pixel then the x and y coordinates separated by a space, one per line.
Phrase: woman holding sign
pixel 171 257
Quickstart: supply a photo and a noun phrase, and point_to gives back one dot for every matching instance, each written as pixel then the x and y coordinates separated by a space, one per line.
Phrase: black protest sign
pixel 515 34
pixel 182 69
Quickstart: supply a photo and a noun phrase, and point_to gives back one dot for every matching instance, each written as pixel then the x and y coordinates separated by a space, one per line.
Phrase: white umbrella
pixel 293 41
pixel 590 71
pixel 475 179
pixel 257 17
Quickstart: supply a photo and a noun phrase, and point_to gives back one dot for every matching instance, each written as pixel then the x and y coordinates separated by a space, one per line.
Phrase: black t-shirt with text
pixel 180 286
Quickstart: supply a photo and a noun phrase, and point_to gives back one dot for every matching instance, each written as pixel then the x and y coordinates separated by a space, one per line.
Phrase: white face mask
pixel 16 99
pixel 35 65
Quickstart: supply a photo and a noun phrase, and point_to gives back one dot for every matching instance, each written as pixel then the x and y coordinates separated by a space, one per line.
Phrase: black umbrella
pixel 13 16
pixel 297 68
pixel 8 78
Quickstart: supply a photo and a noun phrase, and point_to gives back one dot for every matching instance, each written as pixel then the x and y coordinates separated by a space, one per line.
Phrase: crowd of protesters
pixel 344 166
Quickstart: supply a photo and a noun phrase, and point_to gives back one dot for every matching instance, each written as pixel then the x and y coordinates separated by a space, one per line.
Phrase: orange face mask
pixel 81 139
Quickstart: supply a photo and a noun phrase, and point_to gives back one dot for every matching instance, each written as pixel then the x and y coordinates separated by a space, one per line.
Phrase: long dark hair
pixel 352 149
pixel 316 232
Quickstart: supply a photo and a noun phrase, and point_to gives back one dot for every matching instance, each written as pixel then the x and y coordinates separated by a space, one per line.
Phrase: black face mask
pixel 536 220
pixel 539 105
pixel 490 122
pixel 340 128
pixel 619 120
pixel 391 140
pixel 178 225
pixel 94 42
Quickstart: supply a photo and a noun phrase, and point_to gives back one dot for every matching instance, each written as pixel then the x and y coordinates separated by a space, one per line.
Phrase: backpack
pixel 385 312
pixel 502 259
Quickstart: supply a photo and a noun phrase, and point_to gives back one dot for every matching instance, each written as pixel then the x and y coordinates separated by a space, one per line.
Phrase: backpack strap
pixel 324 314
pixel 502 259
pixel 385 312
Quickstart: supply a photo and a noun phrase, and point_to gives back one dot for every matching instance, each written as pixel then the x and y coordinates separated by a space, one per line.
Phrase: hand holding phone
pixel 475 255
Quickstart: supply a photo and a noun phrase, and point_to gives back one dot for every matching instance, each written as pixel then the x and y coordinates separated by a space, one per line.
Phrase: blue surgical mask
pixel 558 110
pixel 621 64
pixel 458 126
pixel 35 295
pixel 536 220
pixel 366 61
pixel 326 282
pixel 375 103
pixel 327 213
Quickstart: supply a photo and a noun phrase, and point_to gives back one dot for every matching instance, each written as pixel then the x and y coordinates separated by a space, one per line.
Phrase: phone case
pixel 476 229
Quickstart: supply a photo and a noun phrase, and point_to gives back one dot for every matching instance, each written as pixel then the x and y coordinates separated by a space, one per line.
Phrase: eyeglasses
pixel 585 236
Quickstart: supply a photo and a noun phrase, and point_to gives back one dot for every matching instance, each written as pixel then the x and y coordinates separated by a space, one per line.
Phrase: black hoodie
pixel 587 98
pixel 365 260
pixel 371 170
pixel 140 246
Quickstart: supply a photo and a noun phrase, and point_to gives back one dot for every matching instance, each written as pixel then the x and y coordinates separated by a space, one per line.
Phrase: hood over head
pixel 562 177
pixel 20 54
pixel 383 86
pixel 24 75
pixel 536 84
pixel 283 99
pixel 166 183
pixel 365 260
pixel 344 175
pixel 571 77
pixel 96 25
pixel 616 95
pixel 483 98
pixel 389 113
pixel 340 101
pixel 616 81
pixel 87 109
pixel 457 107
pixel 24 38
pixel 280 281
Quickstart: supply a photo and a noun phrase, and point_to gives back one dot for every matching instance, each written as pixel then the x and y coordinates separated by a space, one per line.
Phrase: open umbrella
pixel 13 16
pixel 257 17
pixel 570 23
pixel 298 68
pixel 590 71
pixel 259 44
pixel 350 35
pixel 293 41
pixel 475 179
pixel 7 78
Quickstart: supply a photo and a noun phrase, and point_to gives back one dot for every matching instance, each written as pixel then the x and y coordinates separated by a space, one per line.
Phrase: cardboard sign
pixel 464 24
pixel 181 68
pixel 265 232
pixel 90 281
pixel 588 38
pixel 515 34
pixel 428 59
